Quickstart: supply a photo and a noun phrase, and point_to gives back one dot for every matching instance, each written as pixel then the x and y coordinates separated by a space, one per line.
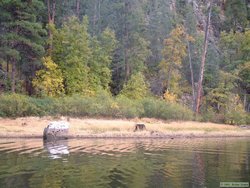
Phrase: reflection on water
pixel 123 162
pixel 56 148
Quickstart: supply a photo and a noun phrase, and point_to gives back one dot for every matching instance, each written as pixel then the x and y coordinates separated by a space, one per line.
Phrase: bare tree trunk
pixel 78 9
pixel 51 20
pixel 203 60
pixel 95 17
pixel 127 67
pixel 192 76
pixel 99 16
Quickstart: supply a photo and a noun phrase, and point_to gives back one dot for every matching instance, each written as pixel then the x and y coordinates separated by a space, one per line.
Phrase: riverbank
pixel 32 127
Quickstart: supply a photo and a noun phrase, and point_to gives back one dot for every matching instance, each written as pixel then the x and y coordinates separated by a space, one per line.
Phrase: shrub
pixel 235 118
pixel 14 105
pixel 102 105
pixel 129 108
pixel 136 88
pixel 157 108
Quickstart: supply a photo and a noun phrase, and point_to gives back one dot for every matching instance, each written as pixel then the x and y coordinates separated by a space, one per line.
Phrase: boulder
pixel 56 130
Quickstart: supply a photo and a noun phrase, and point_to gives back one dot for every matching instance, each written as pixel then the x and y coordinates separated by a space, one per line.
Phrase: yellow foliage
pixel 49 81
pixel 170 97
pixel 174 51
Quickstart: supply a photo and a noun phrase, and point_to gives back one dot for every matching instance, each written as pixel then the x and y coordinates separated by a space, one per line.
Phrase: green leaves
pixel 21 37
pixel 84 60
pixel 136 88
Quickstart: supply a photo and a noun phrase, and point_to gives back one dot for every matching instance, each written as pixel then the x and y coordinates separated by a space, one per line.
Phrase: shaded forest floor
pixel 32 127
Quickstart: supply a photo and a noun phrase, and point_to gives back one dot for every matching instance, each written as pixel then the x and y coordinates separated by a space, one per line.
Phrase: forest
pixel 167 59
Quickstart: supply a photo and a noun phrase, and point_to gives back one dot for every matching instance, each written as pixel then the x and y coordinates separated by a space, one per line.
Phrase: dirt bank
pixel 32 127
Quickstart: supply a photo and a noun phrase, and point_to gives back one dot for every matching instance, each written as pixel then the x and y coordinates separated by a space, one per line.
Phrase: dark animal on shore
pixel 139 127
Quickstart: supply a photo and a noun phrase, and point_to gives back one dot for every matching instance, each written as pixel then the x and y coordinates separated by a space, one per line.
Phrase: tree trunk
pixel 78 9
pixel 51 21
pixel 192 76
pixel 95 18
pixel 169 77
pixel 13 77
pixel 203 60
pixel 126 41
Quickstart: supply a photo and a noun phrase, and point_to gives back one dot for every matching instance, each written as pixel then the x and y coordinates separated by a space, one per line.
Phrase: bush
pixel 102 105
pixel 129 108
pixel 235 118
pixel 156 108
pixel 14 105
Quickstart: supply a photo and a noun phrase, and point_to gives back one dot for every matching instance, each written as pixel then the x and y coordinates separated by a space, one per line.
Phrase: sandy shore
pixel 32 127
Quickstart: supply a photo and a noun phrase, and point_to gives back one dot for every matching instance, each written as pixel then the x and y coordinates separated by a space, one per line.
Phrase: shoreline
pixel 89 128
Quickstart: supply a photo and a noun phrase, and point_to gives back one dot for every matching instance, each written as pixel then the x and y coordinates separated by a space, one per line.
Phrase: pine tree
pixel 236 15
pixel 21 39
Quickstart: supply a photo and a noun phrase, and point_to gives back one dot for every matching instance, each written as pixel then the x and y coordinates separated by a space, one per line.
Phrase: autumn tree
pixel 173 53
pixel 71 52
pixel 48 80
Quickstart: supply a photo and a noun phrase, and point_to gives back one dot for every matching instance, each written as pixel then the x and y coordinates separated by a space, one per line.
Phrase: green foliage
pixel 90 63
pixel 236 15
pixel 15 105
pixel 244 74
pixel 84 60
pixel 49 81
pixel 128 107
pixel 173 53
pixel 100 62
pixel 236 117
pixel 102 105
pixel 71 52
pixel 155 108
pixel 235 113
pixel 136 88
pixel 21 37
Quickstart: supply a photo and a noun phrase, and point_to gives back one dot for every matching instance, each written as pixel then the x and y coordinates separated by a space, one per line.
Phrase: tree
pixel 173 53
pixel 21 39
pixel 136 88
pixel 236 15
pixel 244 75
pixel 101 59
pixel 203 60
pixel 49 80
pixel 71 51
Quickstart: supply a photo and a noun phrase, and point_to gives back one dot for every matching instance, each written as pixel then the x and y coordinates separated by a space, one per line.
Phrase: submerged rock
pixel 56 130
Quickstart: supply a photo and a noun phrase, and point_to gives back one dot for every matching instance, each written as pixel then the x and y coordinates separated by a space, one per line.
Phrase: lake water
pixel 135 163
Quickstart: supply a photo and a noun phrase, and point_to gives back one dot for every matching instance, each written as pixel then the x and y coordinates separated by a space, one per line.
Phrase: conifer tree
pixel 21 38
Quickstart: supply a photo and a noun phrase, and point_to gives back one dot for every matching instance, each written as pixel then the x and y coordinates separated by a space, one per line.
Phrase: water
pixel 131 163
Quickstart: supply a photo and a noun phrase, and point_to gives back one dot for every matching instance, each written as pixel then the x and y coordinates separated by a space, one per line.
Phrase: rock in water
pixel 56 130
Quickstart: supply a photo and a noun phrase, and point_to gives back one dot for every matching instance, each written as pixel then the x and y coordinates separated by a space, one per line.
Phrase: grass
pixel 89 127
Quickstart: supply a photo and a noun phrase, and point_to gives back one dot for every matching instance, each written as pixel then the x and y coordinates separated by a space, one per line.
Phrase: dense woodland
pixel 191 53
